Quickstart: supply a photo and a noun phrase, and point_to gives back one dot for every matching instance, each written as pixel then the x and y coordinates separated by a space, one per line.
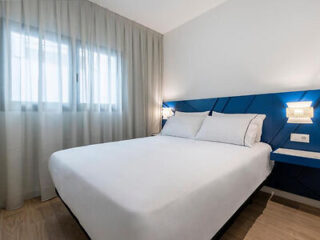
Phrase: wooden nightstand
pixel 297 157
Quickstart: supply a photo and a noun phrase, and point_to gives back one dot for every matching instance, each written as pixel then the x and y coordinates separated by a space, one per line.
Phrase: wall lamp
pixel 167 112
pixel 300 112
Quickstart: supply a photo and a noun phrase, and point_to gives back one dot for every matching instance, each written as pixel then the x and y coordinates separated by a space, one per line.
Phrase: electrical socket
pixel 296 137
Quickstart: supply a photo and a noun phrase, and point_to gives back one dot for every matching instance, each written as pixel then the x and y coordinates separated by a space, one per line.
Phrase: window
pixel 26 65
pixel 24 68
pixel 41 71
pixel 97 77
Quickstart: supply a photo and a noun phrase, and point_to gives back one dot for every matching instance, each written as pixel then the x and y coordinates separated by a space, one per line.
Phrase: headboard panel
pixel 276 130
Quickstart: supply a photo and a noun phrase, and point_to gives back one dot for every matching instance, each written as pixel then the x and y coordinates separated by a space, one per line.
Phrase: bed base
pixel 217 236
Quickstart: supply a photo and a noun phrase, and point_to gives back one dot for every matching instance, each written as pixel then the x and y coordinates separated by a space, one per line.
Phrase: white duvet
pixel 157 188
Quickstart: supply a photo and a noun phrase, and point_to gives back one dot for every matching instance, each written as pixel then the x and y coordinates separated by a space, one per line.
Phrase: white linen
pixel 158 188
pixel 234 130
pixel 182 126
pixel 257 122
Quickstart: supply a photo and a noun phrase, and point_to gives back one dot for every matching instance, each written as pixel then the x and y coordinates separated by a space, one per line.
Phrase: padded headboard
pixel 276 130
pixel 300 180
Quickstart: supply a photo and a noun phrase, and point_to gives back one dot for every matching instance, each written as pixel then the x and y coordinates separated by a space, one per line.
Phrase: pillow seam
pixel 245 135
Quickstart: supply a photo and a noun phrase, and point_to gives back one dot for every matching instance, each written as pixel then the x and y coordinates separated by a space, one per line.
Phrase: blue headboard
pixel 276 132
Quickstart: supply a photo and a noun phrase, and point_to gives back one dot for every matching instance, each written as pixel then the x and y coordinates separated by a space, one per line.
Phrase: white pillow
pixel 229 129
pixel 182 126
pixel 258 121
pixel 203 114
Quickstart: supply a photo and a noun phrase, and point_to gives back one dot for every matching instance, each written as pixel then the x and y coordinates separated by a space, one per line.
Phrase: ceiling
pixel 159 15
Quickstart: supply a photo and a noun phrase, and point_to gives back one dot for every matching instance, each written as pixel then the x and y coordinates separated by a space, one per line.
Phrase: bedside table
pixel 297 157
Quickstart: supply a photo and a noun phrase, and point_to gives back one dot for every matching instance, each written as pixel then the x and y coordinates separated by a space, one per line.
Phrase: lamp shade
pixel 300 112
pixel 167 112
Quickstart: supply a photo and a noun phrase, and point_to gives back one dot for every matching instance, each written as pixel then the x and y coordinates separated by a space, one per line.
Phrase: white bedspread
pixel 158 188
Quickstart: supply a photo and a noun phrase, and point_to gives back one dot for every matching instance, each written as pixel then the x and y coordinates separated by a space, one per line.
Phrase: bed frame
pixel 217 236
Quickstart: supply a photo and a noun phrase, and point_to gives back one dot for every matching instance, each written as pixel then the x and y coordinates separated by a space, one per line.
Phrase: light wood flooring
pixel 266 218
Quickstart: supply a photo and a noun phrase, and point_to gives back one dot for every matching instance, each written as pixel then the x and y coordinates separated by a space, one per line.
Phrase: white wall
pixel 244 47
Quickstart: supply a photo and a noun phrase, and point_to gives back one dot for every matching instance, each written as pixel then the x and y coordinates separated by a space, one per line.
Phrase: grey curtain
pixel 72 73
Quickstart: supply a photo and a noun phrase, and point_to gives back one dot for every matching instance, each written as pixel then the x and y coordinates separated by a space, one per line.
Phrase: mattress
pixel 158 188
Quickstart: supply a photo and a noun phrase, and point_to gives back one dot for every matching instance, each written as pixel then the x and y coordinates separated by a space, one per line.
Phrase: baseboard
pixel 291 196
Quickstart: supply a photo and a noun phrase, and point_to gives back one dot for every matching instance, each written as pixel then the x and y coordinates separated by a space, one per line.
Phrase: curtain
pixel 71 73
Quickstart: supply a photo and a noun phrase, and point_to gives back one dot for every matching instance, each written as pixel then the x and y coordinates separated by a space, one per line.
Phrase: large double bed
pixel 158 188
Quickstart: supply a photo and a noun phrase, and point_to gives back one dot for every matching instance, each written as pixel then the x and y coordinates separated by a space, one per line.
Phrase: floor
pixel 267 217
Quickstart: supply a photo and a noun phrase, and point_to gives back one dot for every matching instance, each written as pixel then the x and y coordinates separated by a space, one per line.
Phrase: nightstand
pixel 296 157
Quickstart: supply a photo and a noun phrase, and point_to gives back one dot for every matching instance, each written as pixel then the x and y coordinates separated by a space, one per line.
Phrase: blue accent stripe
pixel 226 104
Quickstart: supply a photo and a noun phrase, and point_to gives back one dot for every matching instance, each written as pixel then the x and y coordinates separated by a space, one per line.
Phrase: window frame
pixel 74 46
pixel 48 36
pixel 102 50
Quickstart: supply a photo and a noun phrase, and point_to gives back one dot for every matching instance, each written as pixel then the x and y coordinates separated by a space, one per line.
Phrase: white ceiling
pixel 159 15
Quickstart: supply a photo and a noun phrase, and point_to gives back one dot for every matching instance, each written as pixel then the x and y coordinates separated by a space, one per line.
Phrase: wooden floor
pixel 267 217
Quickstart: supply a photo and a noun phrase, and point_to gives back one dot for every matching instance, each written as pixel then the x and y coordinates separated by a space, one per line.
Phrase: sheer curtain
pixel 71 73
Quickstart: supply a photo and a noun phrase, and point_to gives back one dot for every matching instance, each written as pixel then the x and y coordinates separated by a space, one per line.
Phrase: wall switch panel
pixel 295 137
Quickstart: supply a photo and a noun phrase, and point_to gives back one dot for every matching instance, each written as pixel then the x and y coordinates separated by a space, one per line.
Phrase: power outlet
pixel 295 137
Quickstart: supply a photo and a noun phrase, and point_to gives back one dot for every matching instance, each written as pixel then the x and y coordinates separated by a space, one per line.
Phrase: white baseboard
pixel 291 196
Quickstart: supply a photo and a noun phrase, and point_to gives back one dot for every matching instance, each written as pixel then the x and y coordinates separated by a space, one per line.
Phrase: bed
pixel 159 187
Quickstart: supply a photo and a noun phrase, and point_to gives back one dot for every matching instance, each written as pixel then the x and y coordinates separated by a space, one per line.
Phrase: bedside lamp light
pixel 299 112
pixel 167 112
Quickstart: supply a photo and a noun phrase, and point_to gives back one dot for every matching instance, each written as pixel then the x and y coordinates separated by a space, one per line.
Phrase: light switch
pixel 295 137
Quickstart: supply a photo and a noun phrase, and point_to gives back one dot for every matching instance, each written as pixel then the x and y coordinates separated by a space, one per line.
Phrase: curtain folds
pixel 72 74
